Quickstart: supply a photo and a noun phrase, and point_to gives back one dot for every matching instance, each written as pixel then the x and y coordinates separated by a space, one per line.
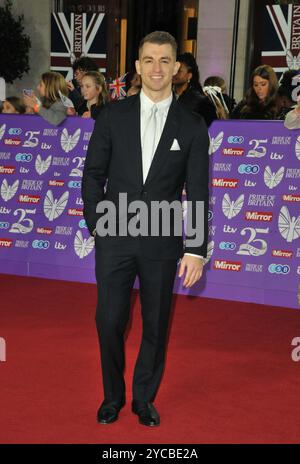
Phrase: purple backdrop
pixel 254 225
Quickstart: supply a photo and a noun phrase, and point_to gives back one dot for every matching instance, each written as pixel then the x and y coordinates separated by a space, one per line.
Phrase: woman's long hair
pixel 270 105
pixel 54 83
pixel 99 81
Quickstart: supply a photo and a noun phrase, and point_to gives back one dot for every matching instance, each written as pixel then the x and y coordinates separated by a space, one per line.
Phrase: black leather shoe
pixel 146 412
pixel 109 412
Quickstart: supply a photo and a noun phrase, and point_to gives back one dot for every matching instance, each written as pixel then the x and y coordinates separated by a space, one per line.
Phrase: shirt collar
pixel 147 103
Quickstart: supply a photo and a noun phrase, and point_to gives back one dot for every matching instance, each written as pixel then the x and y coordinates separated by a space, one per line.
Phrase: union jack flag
pixel 281 37
pixel 117 88
pixel 75 35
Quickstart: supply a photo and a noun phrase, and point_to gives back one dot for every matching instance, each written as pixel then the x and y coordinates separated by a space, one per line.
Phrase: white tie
pixel 149 141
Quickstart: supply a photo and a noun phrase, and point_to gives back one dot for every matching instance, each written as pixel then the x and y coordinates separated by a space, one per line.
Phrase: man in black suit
pixel 145 148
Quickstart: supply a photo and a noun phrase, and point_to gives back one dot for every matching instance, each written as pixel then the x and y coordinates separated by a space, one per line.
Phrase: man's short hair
pixel 159 38
pixel 84 63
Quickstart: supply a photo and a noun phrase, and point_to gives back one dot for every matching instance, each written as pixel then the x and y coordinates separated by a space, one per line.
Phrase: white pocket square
pixel 175 145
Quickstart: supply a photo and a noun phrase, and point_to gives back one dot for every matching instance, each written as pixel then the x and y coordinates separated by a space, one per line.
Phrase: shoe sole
pixel 107 422
pixel 142 423
pixel 149 425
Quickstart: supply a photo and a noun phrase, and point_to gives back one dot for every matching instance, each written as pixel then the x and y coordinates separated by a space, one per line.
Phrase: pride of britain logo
pixel 54 207
pixel 8 191
pixel 297 146
pixel 83 246
pixel 215 143
pixel 42 166
pixel 68 141
pixel 2 130
pixel 232 208
pixel 289 226
pixel 272 179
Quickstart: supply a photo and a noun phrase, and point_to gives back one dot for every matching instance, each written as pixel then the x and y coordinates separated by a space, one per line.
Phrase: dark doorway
pixel 145 16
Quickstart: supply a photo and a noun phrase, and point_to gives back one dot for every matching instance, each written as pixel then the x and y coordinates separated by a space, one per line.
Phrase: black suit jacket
pixel 114 155
pixel 200 104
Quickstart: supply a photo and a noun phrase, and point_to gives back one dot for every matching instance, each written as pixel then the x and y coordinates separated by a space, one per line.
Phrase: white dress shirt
pixel 162 113
pixel 163 107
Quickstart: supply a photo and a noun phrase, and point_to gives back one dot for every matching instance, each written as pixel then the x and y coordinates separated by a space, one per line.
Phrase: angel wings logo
pixel 297 148
pixel 288 226
pixel 232 208
pixel 9 191
pixel 292 61
pixel 83 246
pixel 210 250
pixel 53 208
pixel 42 166
pixel 215 143
pixel 69 142
pixel 2 130
pixel 272 179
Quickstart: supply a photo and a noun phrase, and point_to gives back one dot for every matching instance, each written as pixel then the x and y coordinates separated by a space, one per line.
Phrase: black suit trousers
pixel 116 270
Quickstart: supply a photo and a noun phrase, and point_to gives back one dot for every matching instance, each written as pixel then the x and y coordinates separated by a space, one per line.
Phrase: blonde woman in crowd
pixel 52 90
pixel 95 94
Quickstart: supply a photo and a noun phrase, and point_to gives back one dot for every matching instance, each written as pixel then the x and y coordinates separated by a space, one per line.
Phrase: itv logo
pixel 2 350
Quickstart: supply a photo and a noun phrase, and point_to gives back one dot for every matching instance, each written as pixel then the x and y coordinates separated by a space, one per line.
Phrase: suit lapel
pixel 134 139
pixel 163 148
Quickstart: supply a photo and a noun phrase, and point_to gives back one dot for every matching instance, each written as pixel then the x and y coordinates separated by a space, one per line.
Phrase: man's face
pixel 157 66
pixel 78 75
pixel 183 75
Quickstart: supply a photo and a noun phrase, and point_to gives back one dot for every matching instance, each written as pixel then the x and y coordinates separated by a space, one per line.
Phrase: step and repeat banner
pixel 42 230
pixel 254 215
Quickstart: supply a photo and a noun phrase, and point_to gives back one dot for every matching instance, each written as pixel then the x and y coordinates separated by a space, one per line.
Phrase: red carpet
pixel 229 376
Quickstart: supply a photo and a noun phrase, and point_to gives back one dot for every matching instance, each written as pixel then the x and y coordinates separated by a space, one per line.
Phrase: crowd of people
pixel 55 98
